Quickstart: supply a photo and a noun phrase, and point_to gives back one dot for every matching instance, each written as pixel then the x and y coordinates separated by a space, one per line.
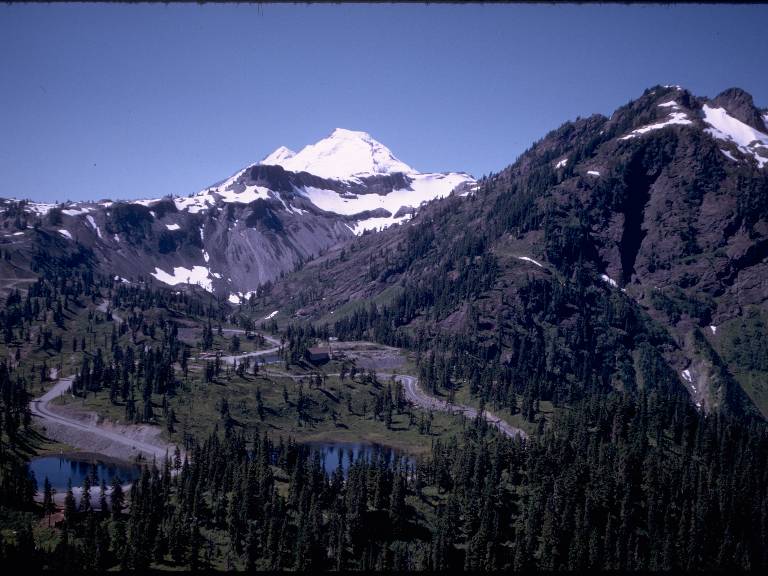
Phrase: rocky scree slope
pixel 621 251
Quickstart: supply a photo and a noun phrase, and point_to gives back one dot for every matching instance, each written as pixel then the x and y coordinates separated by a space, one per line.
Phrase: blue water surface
pixel 60 469
pixel 346 452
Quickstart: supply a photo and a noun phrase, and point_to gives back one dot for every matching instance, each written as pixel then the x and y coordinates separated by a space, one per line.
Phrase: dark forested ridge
pixel 613 304
pixel 660 234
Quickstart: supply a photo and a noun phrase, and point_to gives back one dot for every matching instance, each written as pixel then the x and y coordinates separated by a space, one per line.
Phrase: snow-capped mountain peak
pixel 280 155
pixel 343 154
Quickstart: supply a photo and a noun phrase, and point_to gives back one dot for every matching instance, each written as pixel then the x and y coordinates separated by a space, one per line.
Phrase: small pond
pixel 60 469
pixel 346 452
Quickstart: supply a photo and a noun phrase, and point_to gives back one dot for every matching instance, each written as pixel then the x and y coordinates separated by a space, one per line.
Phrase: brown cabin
pixel 318 355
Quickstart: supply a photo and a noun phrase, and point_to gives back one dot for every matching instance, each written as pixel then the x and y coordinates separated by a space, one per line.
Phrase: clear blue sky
pixel 128 101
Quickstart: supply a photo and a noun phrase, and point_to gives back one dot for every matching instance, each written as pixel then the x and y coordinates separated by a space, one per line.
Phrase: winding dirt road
pixel 417 396
pixel 231 358
pixel 82 434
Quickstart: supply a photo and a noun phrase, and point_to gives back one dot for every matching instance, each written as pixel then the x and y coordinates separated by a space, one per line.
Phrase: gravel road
pixel 120 441
pixel 231 359
pixel 417 396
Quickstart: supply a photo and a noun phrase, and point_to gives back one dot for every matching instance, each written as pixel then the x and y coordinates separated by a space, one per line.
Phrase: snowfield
pixel 749 141
pixel 425 187
pixel 196 275
pixel 39 208
pixel 76 211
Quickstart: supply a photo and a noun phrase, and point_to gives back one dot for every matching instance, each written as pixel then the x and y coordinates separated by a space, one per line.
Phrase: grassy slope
pixel 197 403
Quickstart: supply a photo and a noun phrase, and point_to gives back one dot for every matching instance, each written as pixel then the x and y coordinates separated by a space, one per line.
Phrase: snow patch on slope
pixel 378 223
pixel 194 204
pixel 247 196
pixel 729 155
pixel 66 234
pixel 146 202
pixel 425 187
pixel 674 118
pixel 40 208
pixel 93 224
pixel 76 211
pixel 196 275
pixel 531 260
pixel 749 141
pixel 609 280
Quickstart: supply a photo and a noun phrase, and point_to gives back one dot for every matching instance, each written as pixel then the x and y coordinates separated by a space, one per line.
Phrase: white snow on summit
pixel 344 154
pixel 725 127
pixel 279 156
